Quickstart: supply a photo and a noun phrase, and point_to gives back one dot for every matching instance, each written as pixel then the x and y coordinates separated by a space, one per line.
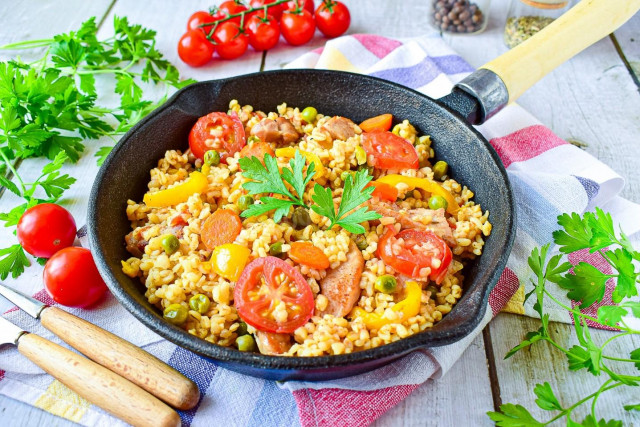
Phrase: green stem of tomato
pixel 241 14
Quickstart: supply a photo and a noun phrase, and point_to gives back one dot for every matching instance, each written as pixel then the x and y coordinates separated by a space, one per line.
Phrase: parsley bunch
pixel 267 178
pixel 586 284
pixel 49 107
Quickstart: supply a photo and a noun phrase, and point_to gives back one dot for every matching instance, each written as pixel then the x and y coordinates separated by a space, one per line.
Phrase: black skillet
pixel 448 120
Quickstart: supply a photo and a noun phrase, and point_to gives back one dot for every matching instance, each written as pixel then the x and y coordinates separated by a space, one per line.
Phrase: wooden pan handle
pixel 123 358
pixel 580 27
pixel 97 384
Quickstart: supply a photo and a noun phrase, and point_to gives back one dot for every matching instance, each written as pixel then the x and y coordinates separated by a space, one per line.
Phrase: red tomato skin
pixel 230 42
pixel 297 28
pixel 194 49
pixel 45 229
pixel 200 133
pixel 390 151
pixel 230 7
pixel 268 266
pixel 305 4
pixel 275 11
pixel 72 279
pixel 198 18
pixel 262 35
pixel 333 24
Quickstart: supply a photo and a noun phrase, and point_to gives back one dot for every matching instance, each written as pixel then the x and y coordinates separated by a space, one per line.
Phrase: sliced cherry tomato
pixel 257 149
pixel 217 131
pixel 194 49
pixel 383 191
pixel 72 279
pixel 418 249
pixel 230 7
pixel 199 18
pixel 231 42
pixel 307 254
pixel 304 4
pixel 275 11
pixel 389 151
pixel 333 18
pixel 221 227
pixel 263 34
pixel 377 123
pixel 45 229
pixel 297 27
pixel 266 283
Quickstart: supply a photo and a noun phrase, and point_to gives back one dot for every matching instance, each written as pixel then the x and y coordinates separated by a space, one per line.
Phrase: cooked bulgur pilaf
pixel 425 219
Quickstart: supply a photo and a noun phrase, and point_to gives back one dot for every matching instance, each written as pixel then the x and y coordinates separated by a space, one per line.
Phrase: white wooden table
pixel 594 98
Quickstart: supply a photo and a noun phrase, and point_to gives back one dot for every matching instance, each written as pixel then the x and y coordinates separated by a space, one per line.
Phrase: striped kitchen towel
pixel 548 175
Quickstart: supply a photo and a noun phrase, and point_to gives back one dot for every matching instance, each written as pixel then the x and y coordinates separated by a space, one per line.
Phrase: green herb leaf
pixel 511 415
pixel 103 153
pixel 267 204
pixel 576 234
pixel 626 283
pixel 6 183
pixel 13 261
pixel 590 421
pixel 635 355
pixel 611 315
pixel 635 407
pixel 546 399
pixel 586 284
pixel 530 338
pixel 264 179
pixel 295 175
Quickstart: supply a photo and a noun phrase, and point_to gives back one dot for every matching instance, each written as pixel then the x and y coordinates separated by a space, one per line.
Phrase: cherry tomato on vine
pixel 194 49
pixel 231 42
pixel 304 4
pixel 275 11
pixel 333 18
pixel 230 7
pixel 263 35
pixel 45 229
pixel 198 18
pixel 72 279
pixel 297 27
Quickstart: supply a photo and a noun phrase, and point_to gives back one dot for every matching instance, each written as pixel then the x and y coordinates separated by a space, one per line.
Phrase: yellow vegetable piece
pixel 291 152
pixel 408 307
pixel 228 260
pixel 196 183
pixel 424 184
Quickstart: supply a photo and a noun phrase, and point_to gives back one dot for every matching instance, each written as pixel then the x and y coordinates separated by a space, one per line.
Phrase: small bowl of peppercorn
pixel 460 16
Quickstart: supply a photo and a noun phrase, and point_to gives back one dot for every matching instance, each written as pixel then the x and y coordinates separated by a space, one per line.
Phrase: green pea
pixel 170 244
pixel 242 329
pixel 437 202
pixel 245 201
pixel 386 284
pixel 212 158
pixel 361 242
pixel 361 155
pixel 199 303
pixel 245 343
pixel 440 169
pixel 344 175
pixel 175 314
pixel 275 249
pixel 253 139
pixel 300 218
pixel 309 114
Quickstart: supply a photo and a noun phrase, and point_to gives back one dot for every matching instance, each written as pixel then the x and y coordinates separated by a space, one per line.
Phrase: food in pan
pixel 299 234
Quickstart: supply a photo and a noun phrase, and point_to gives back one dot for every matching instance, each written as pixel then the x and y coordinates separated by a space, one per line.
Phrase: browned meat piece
pixel 341 285
pixel 408 218
pixel 340 128
pixel 273 344
pixel 136 243
pixel 279 130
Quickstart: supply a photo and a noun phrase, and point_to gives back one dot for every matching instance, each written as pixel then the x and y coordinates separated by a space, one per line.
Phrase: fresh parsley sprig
pixel 586 284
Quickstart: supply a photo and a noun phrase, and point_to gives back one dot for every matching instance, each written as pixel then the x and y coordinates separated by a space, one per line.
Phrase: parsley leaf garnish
pixel 13 260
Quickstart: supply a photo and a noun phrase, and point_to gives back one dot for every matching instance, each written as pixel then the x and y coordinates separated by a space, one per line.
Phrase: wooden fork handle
pixel 123 358
pixel 97 384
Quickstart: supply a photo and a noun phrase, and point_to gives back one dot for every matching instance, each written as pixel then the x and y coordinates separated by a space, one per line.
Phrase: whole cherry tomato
pixel 45 229
pixel 194 49
pixel 304 4
pixel 230 7
pixel 275 11
pixel 263 34
pixel 199 18
pixel 333 18
pixel 231 42
pixel 297 27
pixel 72 279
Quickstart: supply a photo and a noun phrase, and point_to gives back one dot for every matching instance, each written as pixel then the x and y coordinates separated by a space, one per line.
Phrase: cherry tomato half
pixel 230 7
pixel 389 151
pixel 198 18
pixel 418 249
pixel 333 18
pixel 194 49
pixel 304 4
pixel 217 131
pixel 263 34
pixel 275 11
pixel 72 279
pixel 230 41
pixel 264 284
pixel 45 229
pixel 297 28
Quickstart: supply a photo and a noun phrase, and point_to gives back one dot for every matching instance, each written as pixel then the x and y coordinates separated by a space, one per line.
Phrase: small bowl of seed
pixel 460 16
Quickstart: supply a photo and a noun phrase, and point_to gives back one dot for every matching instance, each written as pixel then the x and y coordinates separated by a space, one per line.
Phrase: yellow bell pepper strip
pixel 196 183
pixel 424 184
pixel 290 152
pixel 228 260
pixel 408 307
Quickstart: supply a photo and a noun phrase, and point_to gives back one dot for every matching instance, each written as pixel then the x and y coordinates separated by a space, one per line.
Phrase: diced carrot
pixel 257 149
pixel 383 191
pixel 221 227
pixel 378 123
pixel 309 255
